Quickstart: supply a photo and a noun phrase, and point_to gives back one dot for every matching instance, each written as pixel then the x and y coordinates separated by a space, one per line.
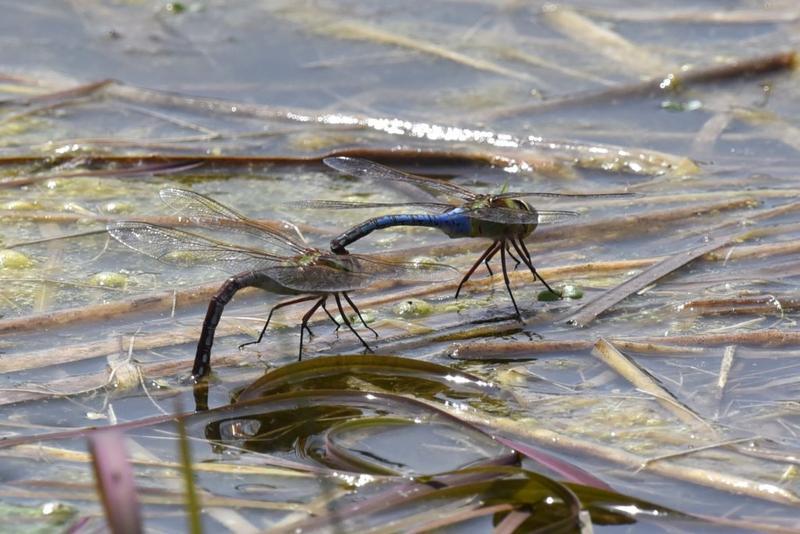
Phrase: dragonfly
pixel 281 263
pixel 504 218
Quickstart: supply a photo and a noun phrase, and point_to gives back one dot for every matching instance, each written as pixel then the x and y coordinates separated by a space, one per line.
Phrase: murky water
pixel 485 96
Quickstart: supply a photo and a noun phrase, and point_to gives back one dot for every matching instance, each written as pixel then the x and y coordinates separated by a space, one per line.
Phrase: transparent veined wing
pixel 319 278
pixel 332 273
pixel 208 212
pixel 522 194
pixel 556 216
pixel 503 215
pixel 435 207
pixel 369 170
pixel 189 203
pixel 408 271
pixel 185 248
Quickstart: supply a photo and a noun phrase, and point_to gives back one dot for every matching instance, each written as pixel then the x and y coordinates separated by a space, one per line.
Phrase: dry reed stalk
pixel 700 16
pixel 724 372
pixel 348 28
pixel 588 312
pixel 644 381
pixel 50 490
pixel 53 454
pixel 162 300
pixel 516 350
pixel 748 305
pixel 601 40
pixel 707 137
pixel 737 69
pixel 397 155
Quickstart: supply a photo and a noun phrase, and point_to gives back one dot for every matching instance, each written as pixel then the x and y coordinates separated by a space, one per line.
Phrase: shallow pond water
pixel 690 405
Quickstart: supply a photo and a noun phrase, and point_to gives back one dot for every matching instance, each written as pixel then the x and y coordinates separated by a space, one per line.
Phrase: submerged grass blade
pixel 115 481
pixel 631 57
pixel 193 505
pixel 644 381
pixel 570 472
pixel 356 30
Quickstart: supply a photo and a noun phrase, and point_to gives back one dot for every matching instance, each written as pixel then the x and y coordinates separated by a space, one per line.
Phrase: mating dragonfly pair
pixel 283 264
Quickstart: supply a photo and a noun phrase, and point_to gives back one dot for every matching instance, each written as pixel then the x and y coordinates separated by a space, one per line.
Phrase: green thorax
pixel 498 230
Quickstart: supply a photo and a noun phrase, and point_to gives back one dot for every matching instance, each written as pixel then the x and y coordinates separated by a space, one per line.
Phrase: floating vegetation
pixel 413 308
pixel 109 279
pixel 570 291
pixel 41 518
pixel 549 296
pixel 14 260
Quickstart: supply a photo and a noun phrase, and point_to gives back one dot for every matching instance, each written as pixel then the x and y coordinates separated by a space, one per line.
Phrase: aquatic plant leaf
pixel 474 498
pixel 115 481
pixel 608 507
pixel 404 447
pixel 570 472
pixel 339 429
pixel 381 373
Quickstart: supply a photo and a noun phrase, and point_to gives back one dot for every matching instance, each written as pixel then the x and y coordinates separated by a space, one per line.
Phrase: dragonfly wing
pixel 369 170
pixel 554 216
pixel 503 215
pixel 184 248
pixel 380 269
pixel 523 194
pixel 332 273
pixel 194 204
pixel 205 211
pixel 436 207
pixel 319 278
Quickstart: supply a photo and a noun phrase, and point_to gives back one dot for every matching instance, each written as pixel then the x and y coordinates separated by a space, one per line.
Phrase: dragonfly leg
pixel 358 312
pixel 508 283
pixel 269 317
pixel 508 251
pixel 526 256
pixel 304 322
pixel 488 251
pixel 331 317
pixel 492 255
pixel 347 322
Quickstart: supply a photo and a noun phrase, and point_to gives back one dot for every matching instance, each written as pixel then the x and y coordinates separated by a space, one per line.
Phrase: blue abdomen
pixel 453 223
